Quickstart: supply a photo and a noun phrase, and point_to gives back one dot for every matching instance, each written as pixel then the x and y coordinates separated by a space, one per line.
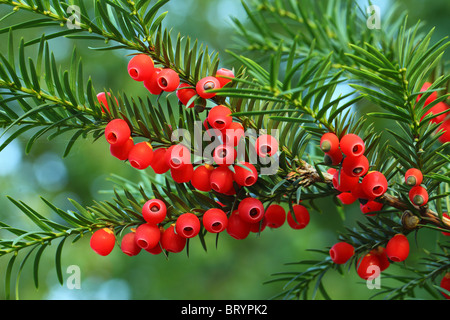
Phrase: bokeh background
pixel 233 270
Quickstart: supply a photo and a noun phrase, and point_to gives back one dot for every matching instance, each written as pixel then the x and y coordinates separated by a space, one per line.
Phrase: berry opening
pixel 155 208
pixel 134 73
pixel 358 170
pixel 142 243
pixel 135 164
pixel 418 200
pixel 163 82
pixel 325 146
pixel 209 85
pixel 357 149
pixel 188 231
pixel 411 181
pixel 216 226
pixel 250 180
pixel 254 212
pixel 332 254
pixel 266 149
pixel 378 190
pixel 112 137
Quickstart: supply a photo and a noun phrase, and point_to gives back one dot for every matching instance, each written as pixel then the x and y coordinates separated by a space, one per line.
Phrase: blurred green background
pixel 236 269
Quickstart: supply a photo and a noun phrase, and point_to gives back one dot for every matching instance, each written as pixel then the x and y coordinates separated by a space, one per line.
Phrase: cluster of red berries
pixel 353 179
pixel 441 109
pixel 153 237
pixel 397 250
pixel 418 194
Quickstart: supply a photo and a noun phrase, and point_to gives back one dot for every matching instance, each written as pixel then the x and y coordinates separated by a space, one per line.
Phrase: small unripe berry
pixel 207 83
pixel 237 228
pixel 368 266
pixel 374 184
pixel 187 225
pixel 182 174
pixel 171 241
pixel 341 252
pixel 220 117
pixel 185 93
pixel 413 177
pixel 201 178
pixel 352 145
pixel 128 244
pixel 226 73
pixel 355 166
pixel 140 67
pixel 245 174
pixel 418 195
pixel 445 284
pixel 215 220
pixel 301 217
pixel 159 164
pixel 266 145
pixel 151 84
pixel 397 248
pixel 122 151
pixel 141 155
pixel 103 241
pixel 168 80
pixel 221 179
pixel 224 155
pixel 329 142
pixel 117 132
pixel 275 216
pixel 251 210
pixel 154 211
pixel 147 235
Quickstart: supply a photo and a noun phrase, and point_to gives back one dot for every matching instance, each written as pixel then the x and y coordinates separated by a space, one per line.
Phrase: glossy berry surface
pixel 418 195
pixel 177 156
pixel 122 151
pixel 251 210
pixel 205 84
pixel 368 266
pixel 219 117
pixel 343 182
pixel 182 174
pixel 301 217
pixel 187 225
pixel 352 145
pixel 329 142
pixel 171 241
pixel 215 220
pixel 147 235
pixel 341 252
pixel 151 84
pixel 245 174
pixel 140 67
pixel 159 164
pixel 355 166
pixel 233 134
pixel 185 93
pixel 117 132
pixel 224 155
pixel 154 211
pixel 223 72
pixel 168 80
pixel 397 248
pixel 141 155
pixel 103 241
pixel 129 246
pixel 266 145
pixel 374 184
pixel 221 179
pixel 346 197
pixel 237 227
pixel 201 178
pixel 413 177
pixel 275 216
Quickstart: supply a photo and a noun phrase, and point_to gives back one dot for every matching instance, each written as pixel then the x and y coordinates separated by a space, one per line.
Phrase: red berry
pixel 329 142
pixel 445 284
pixel 333 158
pixel 147 235
pixel 183 174
pixel 220 117
pixel 358 192
pixel 380 253
pixel 159 164
pixel 352 145
pixel 141 155
pixel 201 178
pixel 413 177
pixel 221 73
pixel 342 182
pixel 251 210
pixel 301 217
pixel 418 195
pixel 224 155
pixel 221 179
pixel 207 83
pixel 445 215
pixel 141 67
pixel 101 97
pixel 187 225
pixel 346 197
pixel 341 252
pixel 185 95
pixel 237 228
pixel 128 244
pixel 437 109
pixel 103 241
pixel 122 151
pixel 258 226
pixel 444 129
pixel 355 166
pixel 397 248
pixel 368 266
pixel 151 83
pixel 374 184
pixel 171 241
pixel 266 145
pixel 215 220
pixel 177 156
pixel 233 134
pixel 154 211
pixel 245 174
pixel 431 97
pixel 370 207
pixel 168 80
pixel 117 132
pixel 275 216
